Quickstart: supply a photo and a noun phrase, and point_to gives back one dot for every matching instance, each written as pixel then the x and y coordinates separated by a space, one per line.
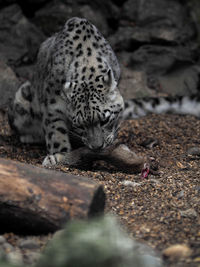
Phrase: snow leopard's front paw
pixel 52 160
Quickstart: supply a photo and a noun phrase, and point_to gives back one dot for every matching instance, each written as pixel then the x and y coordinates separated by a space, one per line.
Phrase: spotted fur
pixel 135 108
pixel 73 93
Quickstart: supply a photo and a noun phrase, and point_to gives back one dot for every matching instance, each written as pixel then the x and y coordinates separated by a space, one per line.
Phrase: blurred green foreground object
pixel 99 243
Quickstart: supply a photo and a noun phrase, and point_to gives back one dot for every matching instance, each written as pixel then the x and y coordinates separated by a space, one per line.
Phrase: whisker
pixel 74 133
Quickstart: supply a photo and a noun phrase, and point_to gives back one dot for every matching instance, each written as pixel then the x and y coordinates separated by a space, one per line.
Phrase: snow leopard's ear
pixel 109 80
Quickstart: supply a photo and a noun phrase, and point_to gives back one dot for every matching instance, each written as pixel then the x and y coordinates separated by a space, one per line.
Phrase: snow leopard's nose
pixel 96 147
pixel 95 138
pixel 96 143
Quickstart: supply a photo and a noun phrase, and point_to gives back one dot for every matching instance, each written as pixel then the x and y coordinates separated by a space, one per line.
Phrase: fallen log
pixel 38 200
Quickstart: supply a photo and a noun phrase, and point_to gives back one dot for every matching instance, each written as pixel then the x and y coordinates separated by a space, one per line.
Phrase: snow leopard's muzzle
pixel 97 138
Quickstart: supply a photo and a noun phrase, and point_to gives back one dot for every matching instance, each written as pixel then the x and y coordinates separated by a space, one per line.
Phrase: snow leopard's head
pixel 95 109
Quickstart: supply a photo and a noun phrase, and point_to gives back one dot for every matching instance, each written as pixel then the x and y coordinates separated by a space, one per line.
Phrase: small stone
pixel 149 143
pixel 15 257
pixel 2 240
pixel 177 251
pixel 197 189
pixel 31 257
pixel 154 181
pixel 190 213
pixel 29 244
pixel 7 247
pixel 181 194
pixel 130 183
pixel 195 151
pixel 197 259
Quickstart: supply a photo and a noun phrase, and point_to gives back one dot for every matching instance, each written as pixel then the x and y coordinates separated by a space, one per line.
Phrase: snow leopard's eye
pixel 106 118
pixel 104 122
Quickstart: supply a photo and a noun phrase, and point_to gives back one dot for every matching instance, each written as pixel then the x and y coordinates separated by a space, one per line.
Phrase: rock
pixel 197 189
pixel 196 200
pixel 52 17
pixel 96 17
pixel 7 247
pixel 197 259
pixel 130 10
pixel 122 39
pixel 130 183
pixel 149 143
pixel 155 181
pixel 133 84
pixel 29 7
pixel 189 213
pixel 130 37
pixel 157 65
pixel 29 244
pixel 8 84
pixel 19 39
pixel 156 59
pixel 195 151
pixel 162 18
pixel 109 10
pixel 180 81
pixel 181 194
pixel 176 252
pixel 2 240
pixel 119 2
pixel 25 72
pixel 34 2
pixel 31 257
pixel 153 32
pixel 15 257
pixel 4 3
pixel 194 6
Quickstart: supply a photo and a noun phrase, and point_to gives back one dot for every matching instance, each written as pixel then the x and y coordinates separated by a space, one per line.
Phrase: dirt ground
pixel 160 210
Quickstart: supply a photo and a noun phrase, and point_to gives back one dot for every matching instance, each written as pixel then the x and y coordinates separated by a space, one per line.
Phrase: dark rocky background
pixel 156 41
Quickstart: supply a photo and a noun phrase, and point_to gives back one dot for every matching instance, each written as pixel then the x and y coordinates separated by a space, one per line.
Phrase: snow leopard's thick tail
pixel 135 108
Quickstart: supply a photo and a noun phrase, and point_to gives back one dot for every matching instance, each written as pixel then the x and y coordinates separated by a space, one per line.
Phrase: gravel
pixel 151 209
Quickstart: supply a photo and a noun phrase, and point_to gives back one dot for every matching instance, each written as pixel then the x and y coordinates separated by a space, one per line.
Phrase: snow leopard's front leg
pixel 57 140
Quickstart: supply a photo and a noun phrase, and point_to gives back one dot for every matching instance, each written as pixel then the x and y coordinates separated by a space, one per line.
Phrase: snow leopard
pixel 73 94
